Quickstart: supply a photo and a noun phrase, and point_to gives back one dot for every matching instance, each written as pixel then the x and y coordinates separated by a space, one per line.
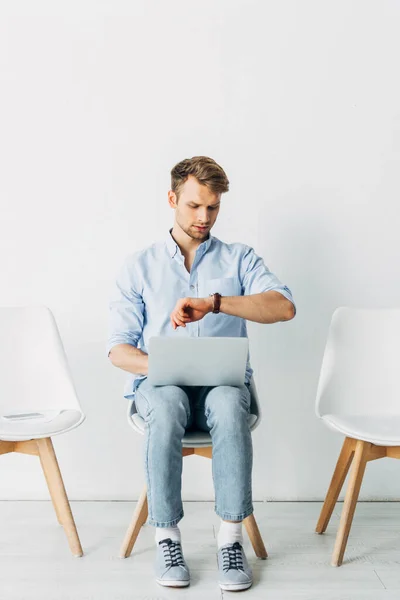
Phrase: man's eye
pixel 210 207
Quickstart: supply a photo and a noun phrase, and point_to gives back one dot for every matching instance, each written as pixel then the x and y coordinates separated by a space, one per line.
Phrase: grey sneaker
pixel 171 569
pixel 234 571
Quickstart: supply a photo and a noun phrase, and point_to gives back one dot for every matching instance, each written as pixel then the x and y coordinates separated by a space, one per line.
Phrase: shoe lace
pixel 172 552
pixel 232 557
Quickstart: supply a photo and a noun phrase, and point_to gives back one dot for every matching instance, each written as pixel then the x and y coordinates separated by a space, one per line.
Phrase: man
pixel 165 290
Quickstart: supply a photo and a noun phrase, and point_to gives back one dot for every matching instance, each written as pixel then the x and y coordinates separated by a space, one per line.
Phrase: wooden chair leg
pixel 58 494
pixel 353 490
pixel 338 478
pixel 206 451
pixel 255 536
pixel 138 519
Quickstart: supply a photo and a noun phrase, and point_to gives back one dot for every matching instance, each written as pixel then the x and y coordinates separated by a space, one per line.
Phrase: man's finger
pixel 183 316
pixel 178 321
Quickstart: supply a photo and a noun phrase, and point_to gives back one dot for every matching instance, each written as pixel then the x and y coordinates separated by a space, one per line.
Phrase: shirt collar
pixel 173 247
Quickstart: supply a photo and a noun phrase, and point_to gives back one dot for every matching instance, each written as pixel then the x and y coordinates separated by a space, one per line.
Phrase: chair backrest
pixel 255 409
pixel 360 371
pixel 34 372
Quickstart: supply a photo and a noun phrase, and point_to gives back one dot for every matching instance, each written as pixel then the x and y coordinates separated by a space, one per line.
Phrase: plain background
pixel 298 101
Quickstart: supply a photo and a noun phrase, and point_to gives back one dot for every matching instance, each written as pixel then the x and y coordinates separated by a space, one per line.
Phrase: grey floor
pixel 35 561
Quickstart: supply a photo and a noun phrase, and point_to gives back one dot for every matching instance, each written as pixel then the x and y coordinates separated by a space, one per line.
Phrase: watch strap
pixel 217 302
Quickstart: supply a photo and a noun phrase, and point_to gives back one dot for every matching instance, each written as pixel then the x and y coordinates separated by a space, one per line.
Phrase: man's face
pixel 196 208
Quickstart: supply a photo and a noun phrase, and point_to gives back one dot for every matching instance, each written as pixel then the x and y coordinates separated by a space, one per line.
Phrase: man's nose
pixel 203 216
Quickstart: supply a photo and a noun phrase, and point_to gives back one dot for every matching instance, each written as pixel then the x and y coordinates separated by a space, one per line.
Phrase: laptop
pixel 197 361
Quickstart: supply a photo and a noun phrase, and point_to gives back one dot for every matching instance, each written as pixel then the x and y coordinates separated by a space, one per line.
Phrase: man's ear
pixel 172 199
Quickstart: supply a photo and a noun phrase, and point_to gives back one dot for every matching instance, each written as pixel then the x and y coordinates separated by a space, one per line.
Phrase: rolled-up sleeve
pixel 126 305
pixel 256 278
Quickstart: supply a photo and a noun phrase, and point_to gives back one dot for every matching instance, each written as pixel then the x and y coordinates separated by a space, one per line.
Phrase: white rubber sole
pixel 235 587
pixel 173 583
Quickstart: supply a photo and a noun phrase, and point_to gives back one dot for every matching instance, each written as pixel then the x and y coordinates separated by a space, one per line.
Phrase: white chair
pixel 37 398
pixel 359 396
pixel 194 442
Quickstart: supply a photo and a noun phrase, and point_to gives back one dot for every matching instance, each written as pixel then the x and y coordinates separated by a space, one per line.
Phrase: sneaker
pixel 171 569
pixel 234 571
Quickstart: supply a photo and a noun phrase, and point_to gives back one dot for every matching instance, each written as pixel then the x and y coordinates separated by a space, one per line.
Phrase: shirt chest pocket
pixel 226 286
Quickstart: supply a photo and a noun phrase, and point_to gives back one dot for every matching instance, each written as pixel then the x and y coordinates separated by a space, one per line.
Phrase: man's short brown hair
pixel 204 169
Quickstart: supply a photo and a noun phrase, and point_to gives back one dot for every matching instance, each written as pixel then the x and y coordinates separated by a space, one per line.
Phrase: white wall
pixel 299 101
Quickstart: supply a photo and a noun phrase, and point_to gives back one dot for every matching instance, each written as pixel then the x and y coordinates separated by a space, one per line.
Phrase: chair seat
pixel 191 439
pixel 382 430
pixel 34 428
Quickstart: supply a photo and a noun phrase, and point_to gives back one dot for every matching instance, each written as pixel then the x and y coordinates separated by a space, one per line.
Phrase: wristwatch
pixel 217 302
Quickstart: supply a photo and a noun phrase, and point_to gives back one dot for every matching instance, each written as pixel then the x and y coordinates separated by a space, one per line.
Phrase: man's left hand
pixel 190 309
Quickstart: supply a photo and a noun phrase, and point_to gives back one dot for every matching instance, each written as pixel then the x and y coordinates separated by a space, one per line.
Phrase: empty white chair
pixel 37 398
pixel 359 396
pixel 194 442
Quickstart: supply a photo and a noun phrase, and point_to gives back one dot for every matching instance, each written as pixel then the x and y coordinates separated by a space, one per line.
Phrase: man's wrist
pixel 210 301
pixel 215 303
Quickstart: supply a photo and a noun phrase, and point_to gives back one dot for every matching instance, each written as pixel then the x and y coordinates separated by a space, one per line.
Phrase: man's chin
pixel 199 233
pixel 195 234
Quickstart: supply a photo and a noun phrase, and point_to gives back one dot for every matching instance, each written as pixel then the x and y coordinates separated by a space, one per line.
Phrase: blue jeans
pixel 169 411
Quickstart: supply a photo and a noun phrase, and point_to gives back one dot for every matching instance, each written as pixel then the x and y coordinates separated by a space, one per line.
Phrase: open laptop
pixel 197 361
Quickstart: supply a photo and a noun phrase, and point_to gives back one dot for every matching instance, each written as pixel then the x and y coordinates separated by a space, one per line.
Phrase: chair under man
pixel 37 398
pixel 193 443
pixel 359 396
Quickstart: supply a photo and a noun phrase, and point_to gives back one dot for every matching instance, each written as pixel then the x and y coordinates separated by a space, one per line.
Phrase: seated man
pixel 193 284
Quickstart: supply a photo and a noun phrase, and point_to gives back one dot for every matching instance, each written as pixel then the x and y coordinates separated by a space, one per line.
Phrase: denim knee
pixel 230 409
pixel 172 409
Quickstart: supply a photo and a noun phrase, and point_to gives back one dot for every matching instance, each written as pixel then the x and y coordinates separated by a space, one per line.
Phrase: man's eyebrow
pixel 212 205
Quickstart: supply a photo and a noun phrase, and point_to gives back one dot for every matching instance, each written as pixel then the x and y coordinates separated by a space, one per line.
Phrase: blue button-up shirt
pixel 152 280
